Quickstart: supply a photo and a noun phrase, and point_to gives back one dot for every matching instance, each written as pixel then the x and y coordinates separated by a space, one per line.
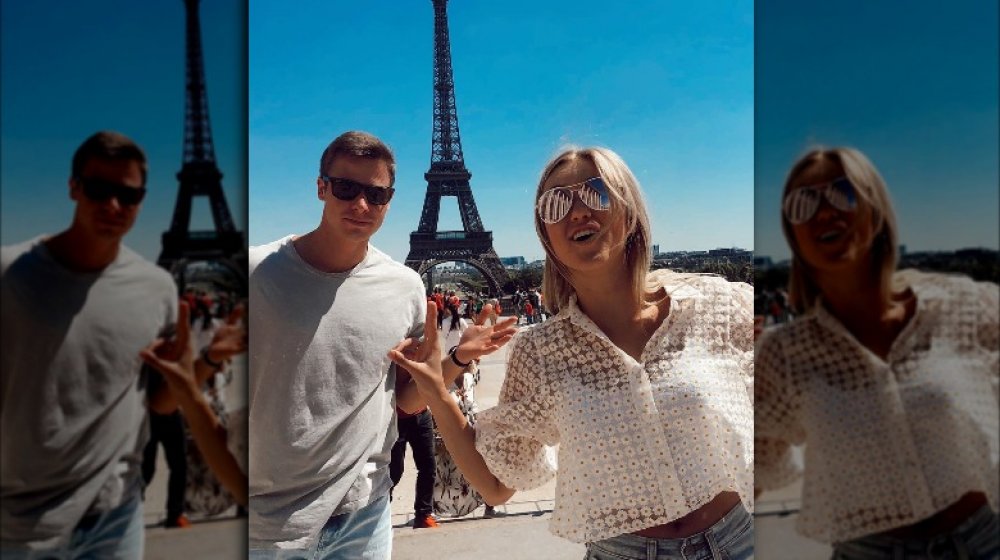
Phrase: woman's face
pixel 833 238
pixel 585 240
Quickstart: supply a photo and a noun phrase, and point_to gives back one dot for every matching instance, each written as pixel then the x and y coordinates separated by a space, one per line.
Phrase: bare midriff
pixel 943 521
pixel 695 522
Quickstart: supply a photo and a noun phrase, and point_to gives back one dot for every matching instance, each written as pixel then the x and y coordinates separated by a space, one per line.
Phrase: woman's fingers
pixel 484 314
pixel 235 315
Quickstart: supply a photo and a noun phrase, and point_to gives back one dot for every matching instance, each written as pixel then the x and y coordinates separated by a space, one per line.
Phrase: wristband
pixel 452 354
pixel 214 365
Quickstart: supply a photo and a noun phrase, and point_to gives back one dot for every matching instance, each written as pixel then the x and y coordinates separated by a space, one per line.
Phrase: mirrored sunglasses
pixel 100 190
pixel 555 203
pixel 802 203
pixel 346 189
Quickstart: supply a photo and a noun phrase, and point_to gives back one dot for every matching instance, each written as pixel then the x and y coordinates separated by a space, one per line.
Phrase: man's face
pixel 103 215
pixel 354 220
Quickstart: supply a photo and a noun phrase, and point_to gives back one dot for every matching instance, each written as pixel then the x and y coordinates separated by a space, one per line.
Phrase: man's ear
pixel 321 189
pixel 74 189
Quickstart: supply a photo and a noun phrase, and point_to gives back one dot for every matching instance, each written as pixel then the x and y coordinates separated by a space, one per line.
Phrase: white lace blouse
pixel 887 442
pixel 639 443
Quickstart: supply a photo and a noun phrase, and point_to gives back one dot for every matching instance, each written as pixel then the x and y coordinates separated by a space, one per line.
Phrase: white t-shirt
pixel 321 391
pixel 71 388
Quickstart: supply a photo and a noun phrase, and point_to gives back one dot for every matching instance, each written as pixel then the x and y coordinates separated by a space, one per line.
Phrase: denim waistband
pixel 961 542
pixel 705 544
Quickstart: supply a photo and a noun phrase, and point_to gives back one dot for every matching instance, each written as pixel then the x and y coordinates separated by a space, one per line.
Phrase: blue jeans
pixel 116 534
pixel 731 538
pixel 977 538
pixel 365 534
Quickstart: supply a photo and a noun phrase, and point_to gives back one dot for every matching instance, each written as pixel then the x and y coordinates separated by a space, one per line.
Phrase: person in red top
pixel 439 301
pixel 417 429
pixel 530 312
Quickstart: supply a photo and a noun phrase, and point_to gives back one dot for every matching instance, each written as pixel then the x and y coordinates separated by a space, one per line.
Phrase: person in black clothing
pixel 417 430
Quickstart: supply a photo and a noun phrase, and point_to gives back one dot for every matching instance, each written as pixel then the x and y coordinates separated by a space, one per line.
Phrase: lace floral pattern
pixel 888 442
pixel 639 443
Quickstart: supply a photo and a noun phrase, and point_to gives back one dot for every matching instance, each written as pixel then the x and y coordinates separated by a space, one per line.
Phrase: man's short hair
pixel 358 144
pixel 108 145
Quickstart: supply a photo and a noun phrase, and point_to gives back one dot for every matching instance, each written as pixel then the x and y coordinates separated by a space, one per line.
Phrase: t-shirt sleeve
pixel 419 310
pixel 777 424
pixel 516 437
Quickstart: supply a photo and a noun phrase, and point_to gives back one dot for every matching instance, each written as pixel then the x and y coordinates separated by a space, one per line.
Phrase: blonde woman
pixel 888 378
pixel 646 395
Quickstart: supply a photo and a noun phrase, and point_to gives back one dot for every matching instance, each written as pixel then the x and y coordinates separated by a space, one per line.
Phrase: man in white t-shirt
pixel 77 308
pixel 325 309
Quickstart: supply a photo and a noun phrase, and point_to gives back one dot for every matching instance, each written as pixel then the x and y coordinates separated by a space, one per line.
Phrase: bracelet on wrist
pixel 212 364
pixel 453 354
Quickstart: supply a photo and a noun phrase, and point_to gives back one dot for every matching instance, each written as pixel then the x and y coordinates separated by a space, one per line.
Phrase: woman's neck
pixel 627 318
pixel 867 306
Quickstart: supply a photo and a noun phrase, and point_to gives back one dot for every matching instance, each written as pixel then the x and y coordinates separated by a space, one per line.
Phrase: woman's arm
pixel 211 438
pixel 427 369
pixel 228 340
pixel 476 341
pixel 182 382
pixel 460 439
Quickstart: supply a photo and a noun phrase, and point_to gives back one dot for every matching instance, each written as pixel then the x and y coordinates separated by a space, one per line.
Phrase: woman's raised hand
pixel 478 340
pixel 422 357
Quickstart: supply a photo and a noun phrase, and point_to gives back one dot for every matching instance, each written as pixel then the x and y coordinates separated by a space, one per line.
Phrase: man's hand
pixel 422 358
pixel 479 340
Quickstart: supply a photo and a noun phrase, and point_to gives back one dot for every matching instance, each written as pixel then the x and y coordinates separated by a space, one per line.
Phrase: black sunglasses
pixel 100 190
pixel 346 189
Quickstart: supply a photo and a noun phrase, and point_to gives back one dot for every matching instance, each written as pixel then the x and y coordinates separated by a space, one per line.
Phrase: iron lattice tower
pixel 199 174
pixel 449 177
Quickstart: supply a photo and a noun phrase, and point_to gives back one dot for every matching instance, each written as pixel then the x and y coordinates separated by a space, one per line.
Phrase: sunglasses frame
pixel 574 190
pixel 369 191
pixel 125 195
pixel 823 191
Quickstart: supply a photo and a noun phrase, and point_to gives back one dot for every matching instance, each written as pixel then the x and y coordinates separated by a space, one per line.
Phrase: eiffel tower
pixel 449 177
pixel 200 176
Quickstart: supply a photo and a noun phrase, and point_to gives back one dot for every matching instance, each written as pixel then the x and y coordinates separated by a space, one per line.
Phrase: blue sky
pixel 915 88
pixel 70 69
pixel 669 86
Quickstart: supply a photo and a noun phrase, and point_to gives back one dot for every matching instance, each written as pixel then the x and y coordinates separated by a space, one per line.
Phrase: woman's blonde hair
pixel 871 189
pixel 626 197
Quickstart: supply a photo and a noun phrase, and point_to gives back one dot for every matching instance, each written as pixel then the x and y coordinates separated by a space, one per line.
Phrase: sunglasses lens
pixel 378 195
pixel 102 191
pixel 595 194
pixel 98 191
pixel 344 189
pixel 130 196
pixel 841 195
pixel 553 205
pixel 800 205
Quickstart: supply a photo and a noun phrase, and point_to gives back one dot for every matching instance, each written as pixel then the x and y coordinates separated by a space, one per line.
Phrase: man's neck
pixel 327 253
pixel 80 252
